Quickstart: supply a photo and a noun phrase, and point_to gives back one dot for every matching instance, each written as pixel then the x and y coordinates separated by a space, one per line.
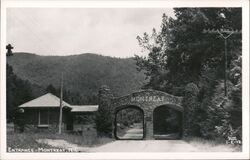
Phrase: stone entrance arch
pixel 147 100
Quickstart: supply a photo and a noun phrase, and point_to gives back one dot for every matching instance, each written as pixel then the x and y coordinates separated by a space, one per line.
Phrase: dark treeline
pixel 73 98
pixel 180 53
pixel 18 92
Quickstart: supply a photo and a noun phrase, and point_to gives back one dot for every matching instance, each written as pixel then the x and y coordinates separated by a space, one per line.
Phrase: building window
pixel 43 118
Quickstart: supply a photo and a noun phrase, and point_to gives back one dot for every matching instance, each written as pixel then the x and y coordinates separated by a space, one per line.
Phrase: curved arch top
pixel 148 100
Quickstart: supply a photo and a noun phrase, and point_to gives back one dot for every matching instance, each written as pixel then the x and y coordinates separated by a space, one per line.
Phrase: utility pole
pixel 61 106
pixel 225 34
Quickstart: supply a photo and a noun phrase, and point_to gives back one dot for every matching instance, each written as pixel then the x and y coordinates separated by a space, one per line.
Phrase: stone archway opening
pixel 129 123
pixel 167 122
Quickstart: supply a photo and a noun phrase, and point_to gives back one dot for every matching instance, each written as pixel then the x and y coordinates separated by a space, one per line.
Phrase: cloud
pixel 64 31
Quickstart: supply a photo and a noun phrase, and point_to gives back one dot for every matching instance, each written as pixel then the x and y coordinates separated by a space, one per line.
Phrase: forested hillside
pixel 83 74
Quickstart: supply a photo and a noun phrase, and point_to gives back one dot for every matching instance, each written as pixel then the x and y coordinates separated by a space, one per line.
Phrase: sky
pixel 69 31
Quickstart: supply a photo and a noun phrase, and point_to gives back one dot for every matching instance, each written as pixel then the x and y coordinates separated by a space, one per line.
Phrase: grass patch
pixel 217 145
pixel 28 140
pixel 24 142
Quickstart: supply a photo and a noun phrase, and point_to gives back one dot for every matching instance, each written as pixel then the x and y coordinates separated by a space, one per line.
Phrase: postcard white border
pixel 129 4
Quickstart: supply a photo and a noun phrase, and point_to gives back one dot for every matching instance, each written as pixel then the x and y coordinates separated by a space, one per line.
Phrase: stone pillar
pixel 149 126
pixel 104 117
pixel 149 130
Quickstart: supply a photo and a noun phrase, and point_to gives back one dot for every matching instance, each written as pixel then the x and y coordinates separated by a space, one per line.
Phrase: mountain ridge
pixel 81 54
pixel 83 73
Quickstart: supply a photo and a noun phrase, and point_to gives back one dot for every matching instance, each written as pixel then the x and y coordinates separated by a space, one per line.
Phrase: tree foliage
pixel 18 92
pixel 180 53
pixel 129 116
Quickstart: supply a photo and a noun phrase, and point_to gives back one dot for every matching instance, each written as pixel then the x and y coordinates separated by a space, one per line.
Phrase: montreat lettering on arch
pixel 147 99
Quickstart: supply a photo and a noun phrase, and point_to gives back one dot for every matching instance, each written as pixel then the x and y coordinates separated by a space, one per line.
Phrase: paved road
pixel 146 146
pixel 134 133
pixel 127 146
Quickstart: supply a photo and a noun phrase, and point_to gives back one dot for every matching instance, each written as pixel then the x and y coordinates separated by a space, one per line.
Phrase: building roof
pixel 50 100
pixel 84 108
pixel 47 100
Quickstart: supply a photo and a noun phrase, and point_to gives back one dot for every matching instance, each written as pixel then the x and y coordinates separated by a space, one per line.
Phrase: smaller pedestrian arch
pixel 146 101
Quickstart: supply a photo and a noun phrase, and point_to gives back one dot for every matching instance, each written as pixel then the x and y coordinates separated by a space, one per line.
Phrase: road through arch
pixel 129 123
